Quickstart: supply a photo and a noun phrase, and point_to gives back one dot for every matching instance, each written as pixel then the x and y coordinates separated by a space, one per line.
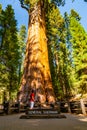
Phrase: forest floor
pixel 71 122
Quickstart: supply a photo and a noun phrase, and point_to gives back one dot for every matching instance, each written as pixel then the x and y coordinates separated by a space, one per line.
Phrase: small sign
pixel 33 112
pixel 50 112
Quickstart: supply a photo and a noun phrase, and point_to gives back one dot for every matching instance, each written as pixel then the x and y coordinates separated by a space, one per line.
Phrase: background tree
pixel 9 54
pixel 79 43
pixel 54 25
pixel 22 44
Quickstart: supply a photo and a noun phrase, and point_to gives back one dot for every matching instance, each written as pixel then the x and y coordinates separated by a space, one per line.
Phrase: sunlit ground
pixel 82 118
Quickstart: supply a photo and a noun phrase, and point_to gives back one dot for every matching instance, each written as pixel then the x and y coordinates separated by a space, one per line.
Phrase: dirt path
pixel 71 122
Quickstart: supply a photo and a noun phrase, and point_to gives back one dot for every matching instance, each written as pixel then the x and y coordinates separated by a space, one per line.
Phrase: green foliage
pixel 9 54
pixel 21 43
pixel 79 42
pixel 75 15
pixel 0 8
pixel 31 2
pixel 67 39
pixel 58 2
pixel 58 53
pixel 28 3
pixel 22 39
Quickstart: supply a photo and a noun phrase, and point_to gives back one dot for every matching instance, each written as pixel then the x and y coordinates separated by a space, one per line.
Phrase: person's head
pixel 32 91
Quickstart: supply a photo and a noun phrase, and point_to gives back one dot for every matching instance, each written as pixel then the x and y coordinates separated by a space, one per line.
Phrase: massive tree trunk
pixel 36 65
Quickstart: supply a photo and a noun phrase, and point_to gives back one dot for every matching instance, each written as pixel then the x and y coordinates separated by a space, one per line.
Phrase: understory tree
pixel 79 45
pixel 9 54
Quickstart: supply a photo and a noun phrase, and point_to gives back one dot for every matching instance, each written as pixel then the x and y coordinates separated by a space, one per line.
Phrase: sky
pixel 21 14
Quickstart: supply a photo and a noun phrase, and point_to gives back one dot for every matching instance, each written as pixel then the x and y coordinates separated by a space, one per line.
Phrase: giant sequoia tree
pixel 36 65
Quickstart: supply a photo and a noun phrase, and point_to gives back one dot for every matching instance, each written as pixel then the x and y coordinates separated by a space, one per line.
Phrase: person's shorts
pixel 31 104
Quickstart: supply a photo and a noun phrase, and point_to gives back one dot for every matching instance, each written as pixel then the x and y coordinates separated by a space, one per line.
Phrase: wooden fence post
pixel 82 106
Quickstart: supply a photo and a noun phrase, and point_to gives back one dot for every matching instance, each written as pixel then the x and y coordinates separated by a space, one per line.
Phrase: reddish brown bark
pixel 36 65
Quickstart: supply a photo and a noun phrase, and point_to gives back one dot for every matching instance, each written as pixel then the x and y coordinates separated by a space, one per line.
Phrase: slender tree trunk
pixel 36 65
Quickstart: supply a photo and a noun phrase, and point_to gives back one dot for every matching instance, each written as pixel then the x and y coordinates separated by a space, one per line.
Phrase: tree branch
pixel 23 6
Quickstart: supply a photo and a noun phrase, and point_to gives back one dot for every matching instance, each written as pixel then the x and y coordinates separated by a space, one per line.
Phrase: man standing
pixel 32 99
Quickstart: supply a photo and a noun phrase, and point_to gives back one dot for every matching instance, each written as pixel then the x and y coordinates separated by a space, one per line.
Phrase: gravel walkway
pixel 71 122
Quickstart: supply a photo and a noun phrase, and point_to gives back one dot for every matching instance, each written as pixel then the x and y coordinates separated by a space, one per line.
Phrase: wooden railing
pixel 1 108
pixel 12 108
pixel 77 106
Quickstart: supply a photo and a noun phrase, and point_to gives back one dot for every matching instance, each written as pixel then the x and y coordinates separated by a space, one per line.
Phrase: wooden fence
pixel 78 106
pixel 1 108
pixel 12 108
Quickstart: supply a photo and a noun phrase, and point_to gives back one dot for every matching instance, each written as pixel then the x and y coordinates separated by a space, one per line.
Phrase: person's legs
pixel 31 105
